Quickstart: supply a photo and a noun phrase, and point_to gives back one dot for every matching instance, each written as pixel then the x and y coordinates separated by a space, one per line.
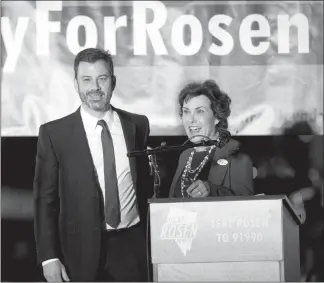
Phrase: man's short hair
pixel 92 55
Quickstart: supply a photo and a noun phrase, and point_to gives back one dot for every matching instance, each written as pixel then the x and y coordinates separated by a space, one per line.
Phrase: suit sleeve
pixel 147 131
pixel 239 181
pixel 46 199
pixel 145 167
pixel 219 191
pixel 177 173
pixel 241 175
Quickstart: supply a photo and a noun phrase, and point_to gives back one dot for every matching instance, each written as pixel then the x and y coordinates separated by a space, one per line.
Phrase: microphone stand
pixel 156 173
pixel 163 148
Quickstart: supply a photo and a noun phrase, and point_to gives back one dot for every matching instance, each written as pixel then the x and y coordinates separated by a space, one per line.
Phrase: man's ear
pixel 76 86
pixel 113 82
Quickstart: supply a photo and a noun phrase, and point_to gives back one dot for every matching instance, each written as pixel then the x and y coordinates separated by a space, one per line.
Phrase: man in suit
pixel 90 198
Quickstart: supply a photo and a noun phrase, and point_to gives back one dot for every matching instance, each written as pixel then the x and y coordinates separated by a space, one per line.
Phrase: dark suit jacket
pixel 68 200
pixel 234 178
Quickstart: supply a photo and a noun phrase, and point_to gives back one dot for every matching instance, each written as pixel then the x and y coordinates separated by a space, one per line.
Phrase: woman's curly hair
pixel 220 101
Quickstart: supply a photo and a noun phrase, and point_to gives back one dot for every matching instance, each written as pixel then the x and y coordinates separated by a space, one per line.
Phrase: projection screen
pixel 268 56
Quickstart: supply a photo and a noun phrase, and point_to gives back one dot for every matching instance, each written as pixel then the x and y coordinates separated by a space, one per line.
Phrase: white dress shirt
pixel 128 206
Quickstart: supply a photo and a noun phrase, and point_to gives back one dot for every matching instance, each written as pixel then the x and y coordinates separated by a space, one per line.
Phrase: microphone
pixel 138 153
pixel 223 138
pixel 208 143
pixel 147 151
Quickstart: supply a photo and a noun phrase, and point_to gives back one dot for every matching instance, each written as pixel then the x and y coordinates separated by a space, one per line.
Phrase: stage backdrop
pixel 268 56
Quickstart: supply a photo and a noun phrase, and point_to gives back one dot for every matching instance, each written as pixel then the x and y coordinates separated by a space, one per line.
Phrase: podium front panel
pixel 219 271
pixel 216 231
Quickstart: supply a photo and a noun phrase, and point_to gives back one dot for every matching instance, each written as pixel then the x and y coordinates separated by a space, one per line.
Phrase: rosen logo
pixel 181 226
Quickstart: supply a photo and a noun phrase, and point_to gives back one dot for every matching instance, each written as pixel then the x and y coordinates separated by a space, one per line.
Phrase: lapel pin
pixel 222 161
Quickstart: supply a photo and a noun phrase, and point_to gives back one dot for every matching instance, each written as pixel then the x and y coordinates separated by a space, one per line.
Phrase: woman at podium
pixel 215 167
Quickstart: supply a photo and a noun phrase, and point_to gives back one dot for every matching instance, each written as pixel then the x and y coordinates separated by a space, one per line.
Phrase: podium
pixel 253 238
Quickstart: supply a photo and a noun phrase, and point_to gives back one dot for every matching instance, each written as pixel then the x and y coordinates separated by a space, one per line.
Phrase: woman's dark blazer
pixel 231 172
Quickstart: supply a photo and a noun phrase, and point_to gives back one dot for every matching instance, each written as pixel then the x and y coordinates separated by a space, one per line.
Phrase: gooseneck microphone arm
pixel 151 153
pixel 185 145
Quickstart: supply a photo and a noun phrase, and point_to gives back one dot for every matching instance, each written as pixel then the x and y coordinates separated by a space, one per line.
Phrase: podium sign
pixel 228 238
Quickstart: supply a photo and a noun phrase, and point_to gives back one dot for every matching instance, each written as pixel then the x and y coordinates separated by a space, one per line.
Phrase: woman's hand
pixel 198 189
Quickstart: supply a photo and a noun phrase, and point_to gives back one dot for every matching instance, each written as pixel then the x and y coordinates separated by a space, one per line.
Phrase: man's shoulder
pixel 59 123
pixel 133 116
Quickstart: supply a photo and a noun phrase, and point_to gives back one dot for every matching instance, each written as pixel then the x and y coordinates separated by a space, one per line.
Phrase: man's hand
pixel 198 189
pixel 54 271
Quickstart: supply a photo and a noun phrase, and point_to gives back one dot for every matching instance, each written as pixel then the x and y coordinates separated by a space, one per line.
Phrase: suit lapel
pixel 81 145
pixel 182 163
pixel 221 162
pixel 129 130
pixel 80 142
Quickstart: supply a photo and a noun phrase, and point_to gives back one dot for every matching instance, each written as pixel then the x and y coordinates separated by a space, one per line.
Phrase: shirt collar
pixel 90 122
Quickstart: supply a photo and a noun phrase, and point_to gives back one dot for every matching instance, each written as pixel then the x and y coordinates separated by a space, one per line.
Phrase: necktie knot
pixel 102 123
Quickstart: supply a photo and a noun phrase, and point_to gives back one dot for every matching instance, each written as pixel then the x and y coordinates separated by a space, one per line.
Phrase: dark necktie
pixel 112 206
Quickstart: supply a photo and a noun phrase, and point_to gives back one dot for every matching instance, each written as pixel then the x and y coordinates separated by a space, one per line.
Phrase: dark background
pixel 282 162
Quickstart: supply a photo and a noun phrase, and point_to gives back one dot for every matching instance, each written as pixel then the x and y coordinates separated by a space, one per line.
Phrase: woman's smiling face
pixel 198 118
